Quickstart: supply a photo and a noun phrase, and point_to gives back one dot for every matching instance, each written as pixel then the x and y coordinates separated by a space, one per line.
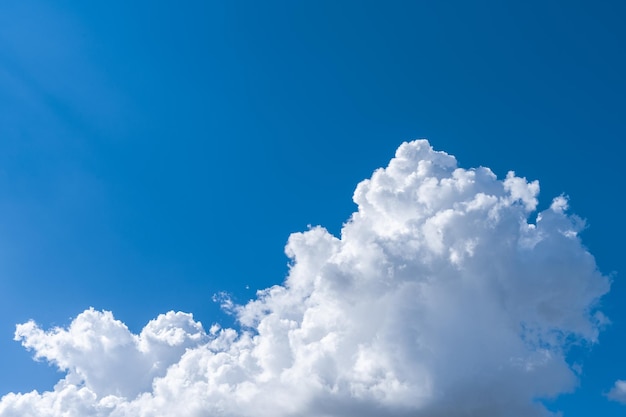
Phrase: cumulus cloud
pixel 618 392
pixel 446 294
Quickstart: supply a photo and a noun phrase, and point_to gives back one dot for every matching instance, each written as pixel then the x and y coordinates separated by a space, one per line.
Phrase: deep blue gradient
pixel 153 154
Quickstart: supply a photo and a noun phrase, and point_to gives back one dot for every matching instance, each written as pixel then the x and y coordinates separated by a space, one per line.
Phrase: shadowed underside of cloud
pixel 446 295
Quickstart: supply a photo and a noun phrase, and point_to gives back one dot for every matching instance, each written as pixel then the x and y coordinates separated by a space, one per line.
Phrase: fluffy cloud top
pixel 446 295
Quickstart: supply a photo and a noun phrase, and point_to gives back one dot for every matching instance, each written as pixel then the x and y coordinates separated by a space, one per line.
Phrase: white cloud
pixel 441 298
pixel 97 349
pixel 618 392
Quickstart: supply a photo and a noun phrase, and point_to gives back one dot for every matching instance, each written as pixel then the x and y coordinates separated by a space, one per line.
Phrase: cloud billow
pixel 446 295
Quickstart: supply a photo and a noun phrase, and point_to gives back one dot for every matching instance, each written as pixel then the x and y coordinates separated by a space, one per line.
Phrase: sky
pixel 312 208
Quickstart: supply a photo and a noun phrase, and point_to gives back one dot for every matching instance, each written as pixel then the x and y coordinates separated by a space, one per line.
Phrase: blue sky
pixel 154 154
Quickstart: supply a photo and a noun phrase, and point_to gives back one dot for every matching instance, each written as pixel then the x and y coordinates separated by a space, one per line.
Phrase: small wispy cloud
pixel 443 296
pixel 618 392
